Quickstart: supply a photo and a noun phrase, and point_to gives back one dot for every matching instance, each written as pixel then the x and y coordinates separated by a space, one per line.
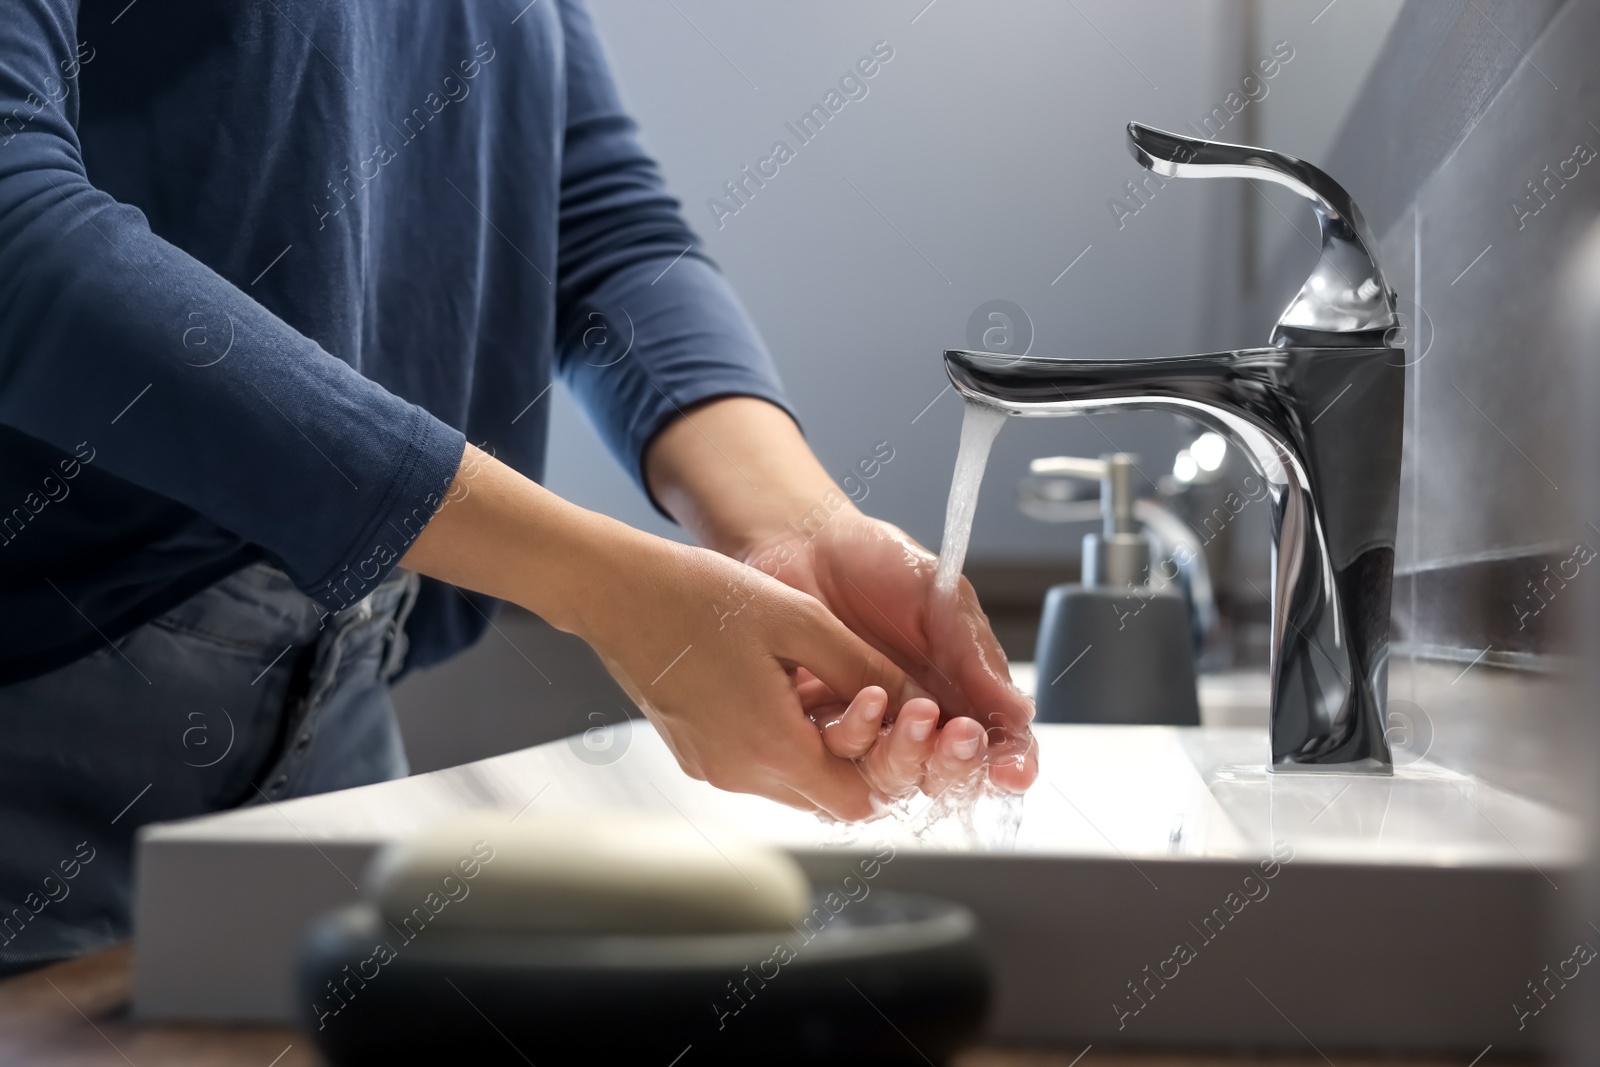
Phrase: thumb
pixel 824 780
pixel 995 699
pixel 842 661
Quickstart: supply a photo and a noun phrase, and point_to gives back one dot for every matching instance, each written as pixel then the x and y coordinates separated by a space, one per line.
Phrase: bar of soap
pixel 585 873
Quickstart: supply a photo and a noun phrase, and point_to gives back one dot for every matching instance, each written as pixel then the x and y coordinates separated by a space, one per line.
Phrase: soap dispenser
pixel 1113 648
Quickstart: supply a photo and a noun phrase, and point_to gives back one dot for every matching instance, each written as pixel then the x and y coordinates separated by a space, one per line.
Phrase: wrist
pixel 583 565
pixel 794 512
pixel 737 473
pixel 500 533
pixel 793 522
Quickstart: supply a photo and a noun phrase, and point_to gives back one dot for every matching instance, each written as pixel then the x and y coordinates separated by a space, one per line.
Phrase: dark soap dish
pixel 889 979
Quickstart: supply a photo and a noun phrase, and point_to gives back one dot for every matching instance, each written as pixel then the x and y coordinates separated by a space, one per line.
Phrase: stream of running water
pixel 979 427
pixel 975 813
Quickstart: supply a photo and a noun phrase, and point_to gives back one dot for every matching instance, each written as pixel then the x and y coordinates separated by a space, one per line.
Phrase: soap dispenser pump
pixel 1113 648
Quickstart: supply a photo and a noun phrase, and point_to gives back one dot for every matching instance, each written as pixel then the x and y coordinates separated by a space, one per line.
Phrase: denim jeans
pixel 242 693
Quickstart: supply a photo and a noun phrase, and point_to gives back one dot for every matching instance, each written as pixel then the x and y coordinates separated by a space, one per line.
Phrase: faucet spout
pixel 1322 428
pixel 1319 414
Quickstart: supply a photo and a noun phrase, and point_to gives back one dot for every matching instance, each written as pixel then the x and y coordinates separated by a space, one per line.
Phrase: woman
pixel 265 269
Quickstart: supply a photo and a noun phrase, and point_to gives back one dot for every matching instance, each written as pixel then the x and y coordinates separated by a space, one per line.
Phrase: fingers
pixel 832 784
pixel 840 660
pixel 1013 751
pixel 1003 711
pixel 818 700
pixel 910 753
pixel 895 765
pixel 795 760
pixel 957 755
pixel 793 767
pixel 789 797
pixel 829 661
pixel 783 758
pixel 853 732
pixel 971 653
pixel 1013 757
pixel 916 752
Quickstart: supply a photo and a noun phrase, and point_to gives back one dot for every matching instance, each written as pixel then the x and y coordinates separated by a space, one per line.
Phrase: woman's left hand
pixel 880 583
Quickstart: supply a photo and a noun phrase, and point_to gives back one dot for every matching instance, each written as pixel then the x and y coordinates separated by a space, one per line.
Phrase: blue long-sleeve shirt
pixel 265 264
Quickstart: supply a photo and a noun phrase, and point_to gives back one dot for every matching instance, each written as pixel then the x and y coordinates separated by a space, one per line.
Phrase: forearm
pixel 704 645
pixel 503 534
pixel 733 472
pixel 736 470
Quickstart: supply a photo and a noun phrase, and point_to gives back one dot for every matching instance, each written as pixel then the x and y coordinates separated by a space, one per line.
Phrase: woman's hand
pixel 879 582
pixel 737 472
pixel 912 753
pixel 711 649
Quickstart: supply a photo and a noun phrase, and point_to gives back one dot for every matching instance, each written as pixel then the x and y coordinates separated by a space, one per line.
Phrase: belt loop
pixel 398 642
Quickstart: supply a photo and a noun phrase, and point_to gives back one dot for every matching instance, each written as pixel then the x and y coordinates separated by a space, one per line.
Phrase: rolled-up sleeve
pixel 646 324
pixel 279 442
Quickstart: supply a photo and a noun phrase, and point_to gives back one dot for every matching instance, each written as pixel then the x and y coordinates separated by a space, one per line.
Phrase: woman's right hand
pixel 710 648
pixel 899 754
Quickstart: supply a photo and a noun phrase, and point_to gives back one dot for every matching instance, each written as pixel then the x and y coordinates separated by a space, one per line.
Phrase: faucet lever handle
pixel 1346 300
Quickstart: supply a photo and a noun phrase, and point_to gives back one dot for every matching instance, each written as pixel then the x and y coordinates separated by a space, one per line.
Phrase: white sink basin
pixel 1130 839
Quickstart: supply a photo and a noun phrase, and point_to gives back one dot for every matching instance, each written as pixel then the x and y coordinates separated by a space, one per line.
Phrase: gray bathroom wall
pixel 985 159
pixel 983 162
pixel 1581 297
pixel 1476 154
pixel 1472 151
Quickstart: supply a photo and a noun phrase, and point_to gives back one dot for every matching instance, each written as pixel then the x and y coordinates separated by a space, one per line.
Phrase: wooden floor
pixel 1098 1058
pixel 74 1014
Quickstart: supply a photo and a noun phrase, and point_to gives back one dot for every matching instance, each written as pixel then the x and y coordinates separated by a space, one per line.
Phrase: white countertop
pixel 1144 791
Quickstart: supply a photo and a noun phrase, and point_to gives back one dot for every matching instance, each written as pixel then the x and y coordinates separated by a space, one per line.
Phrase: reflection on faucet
pixel 1319 415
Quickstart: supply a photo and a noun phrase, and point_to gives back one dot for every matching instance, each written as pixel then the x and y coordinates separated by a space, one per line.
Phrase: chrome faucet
pixel 1319 414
